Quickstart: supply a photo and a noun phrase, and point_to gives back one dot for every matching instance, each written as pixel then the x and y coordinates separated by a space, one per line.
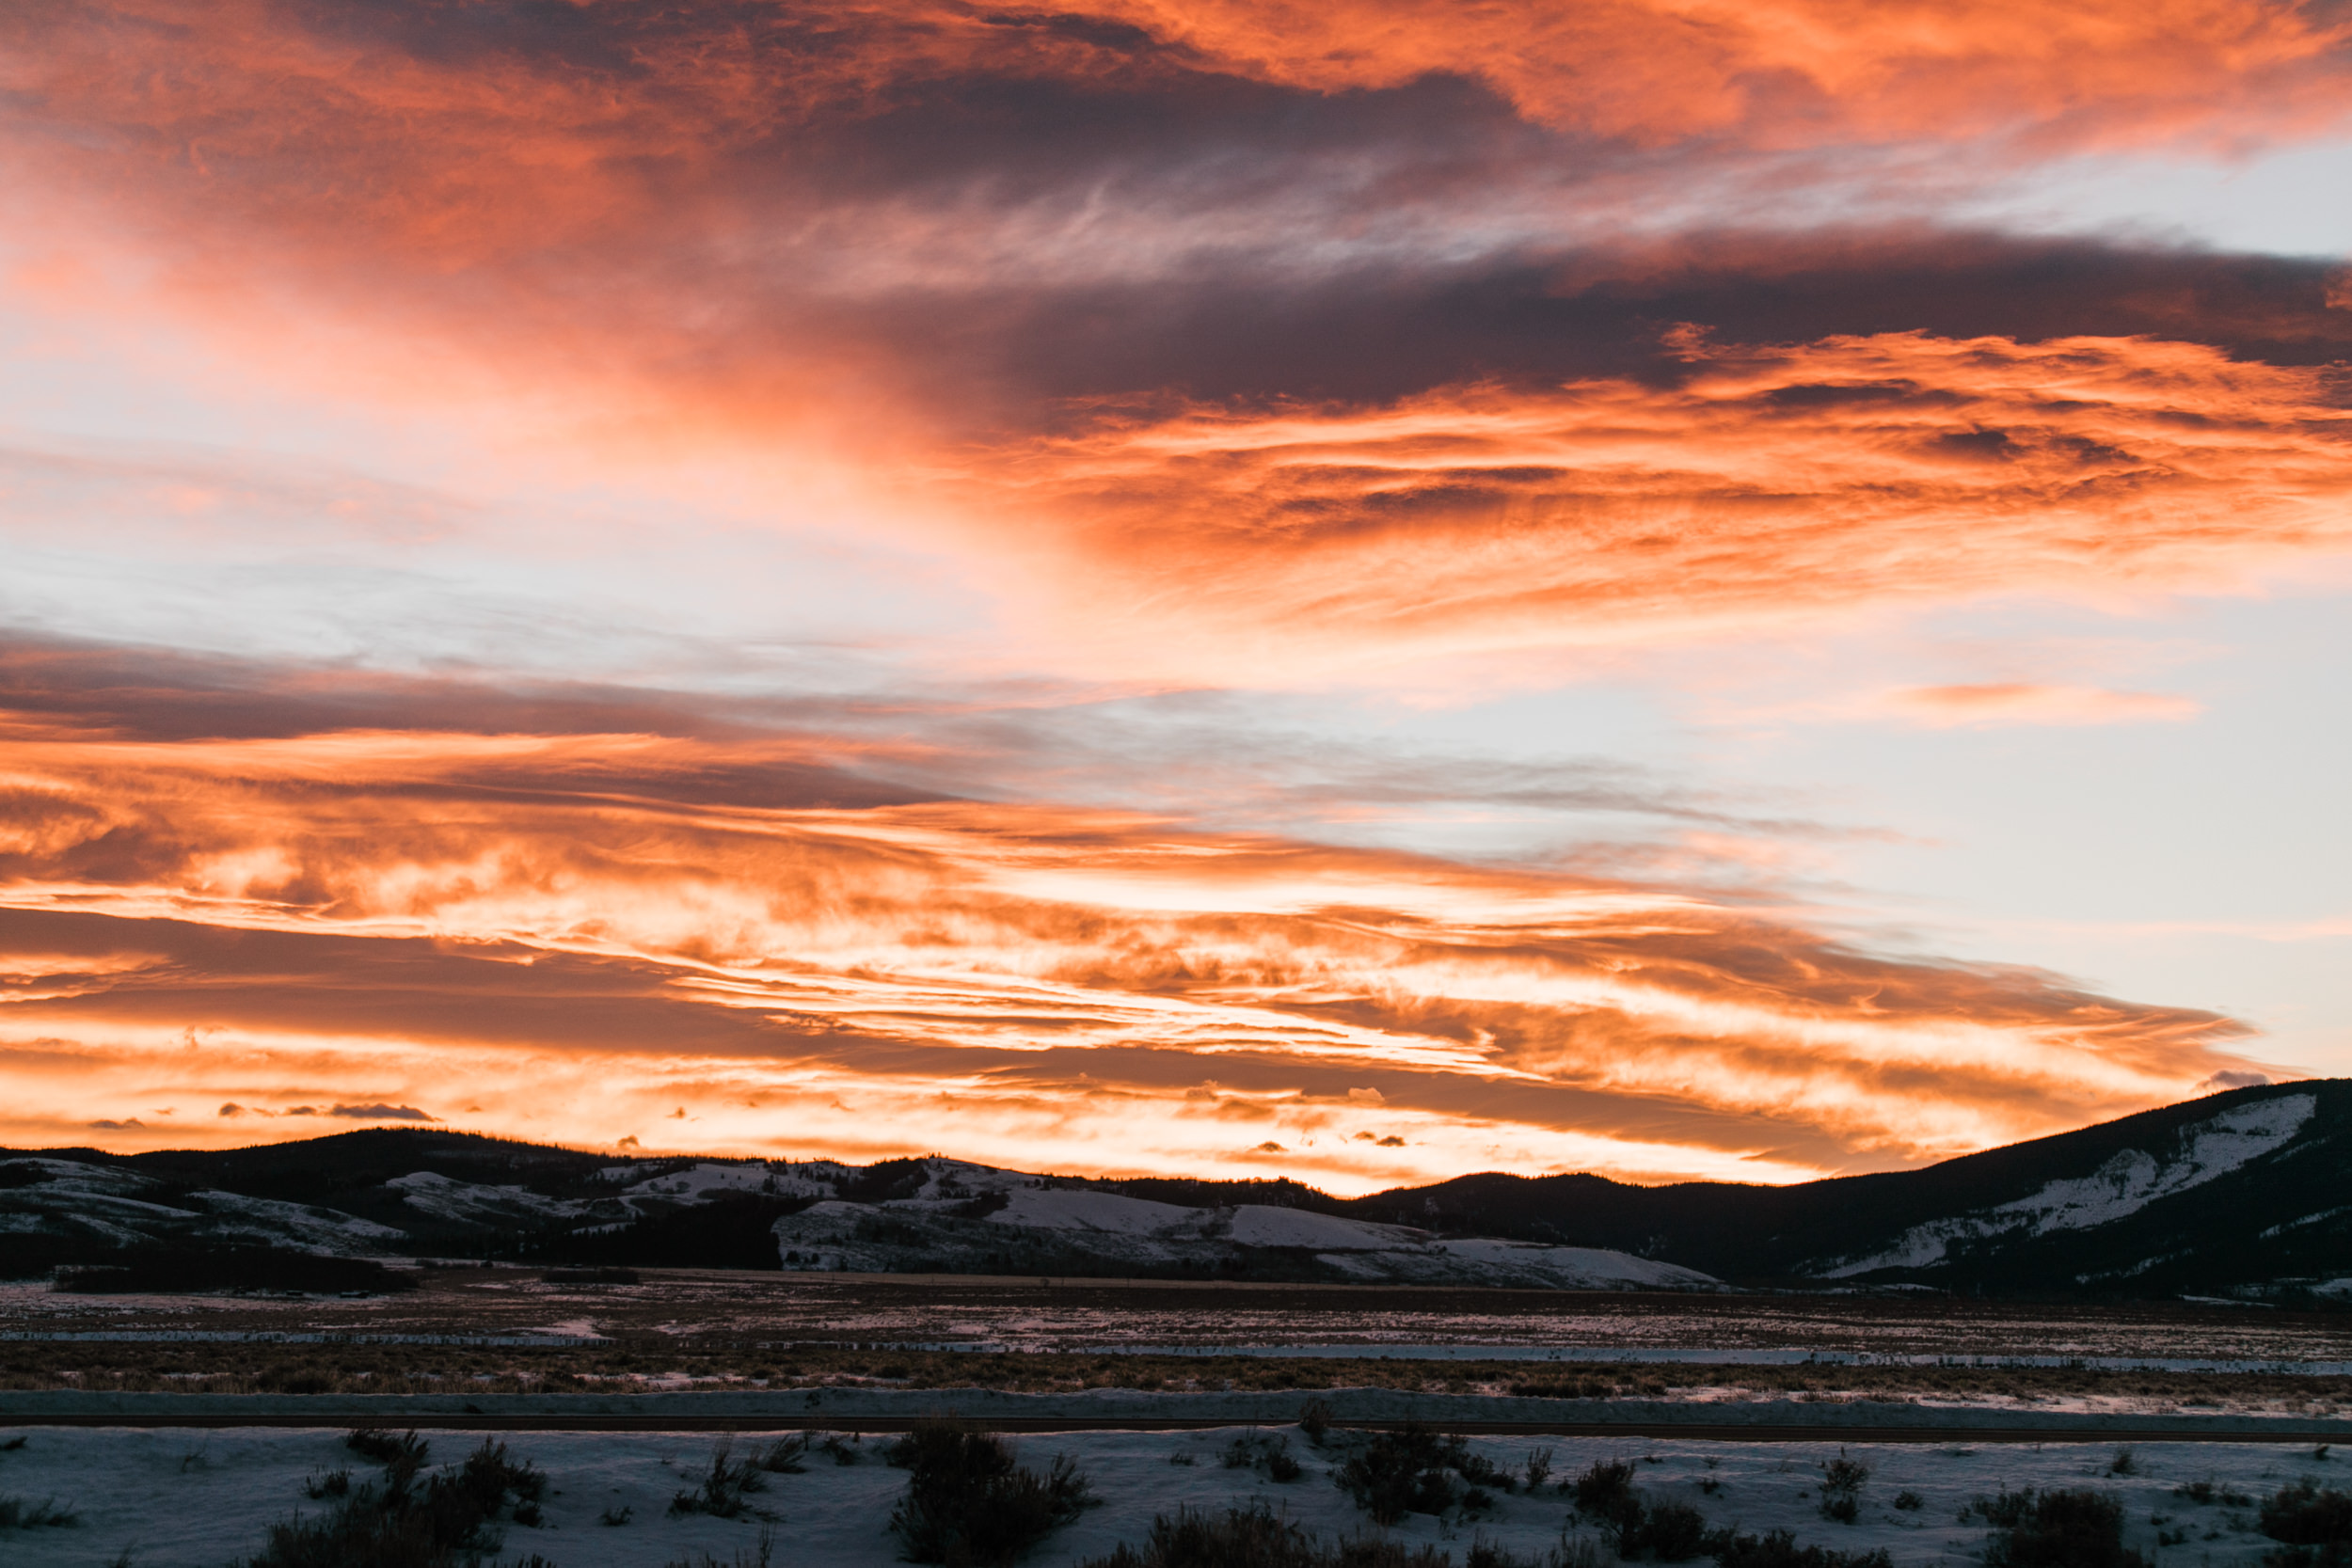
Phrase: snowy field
pixel 180 1499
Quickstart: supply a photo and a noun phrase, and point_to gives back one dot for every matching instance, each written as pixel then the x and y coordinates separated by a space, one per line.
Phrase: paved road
pixel 442 1421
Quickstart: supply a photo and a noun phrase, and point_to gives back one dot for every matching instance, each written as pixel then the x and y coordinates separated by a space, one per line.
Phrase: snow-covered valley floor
pixel 183 1498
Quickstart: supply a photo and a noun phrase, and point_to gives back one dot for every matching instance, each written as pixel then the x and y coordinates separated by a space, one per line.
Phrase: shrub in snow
pixel 1240 1538
pixel 1489 1553
pixel 451 1522
pixel 1779 1549
pixel 1635 1528
pixel 1605 1496
pixel 1841 1488
pixel 1401 1472
pixel 784 1455
pixel 2315 1525
pixel 724 1487
pixel 1269 1456
pixel 23 1513
pixel 968 1502
pixel 1582 1552
pixel 1670 1532
pixel 2078 1528
pixel 1479 1470
pixel 2003 1509
pixel 1252 1537
pixel 407 1451
pixel 754 1557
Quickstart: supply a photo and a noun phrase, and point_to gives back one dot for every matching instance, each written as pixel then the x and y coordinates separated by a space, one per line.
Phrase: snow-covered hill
pixel 931 1216
pixel 2131 1179
pixel 971 1219
pixel 122 1208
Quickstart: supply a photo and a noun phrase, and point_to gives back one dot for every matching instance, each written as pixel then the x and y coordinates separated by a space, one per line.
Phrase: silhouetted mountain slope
pixel 347 1162
pixel 2248 1192
pixel 2243 1189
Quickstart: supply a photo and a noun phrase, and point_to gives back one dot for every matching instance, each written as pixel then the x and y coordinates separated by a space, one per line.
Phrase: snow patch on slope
pixel 473 1203
pixel 73 1175
pixel 2124 1185
pixel 1048 1230
pixel 707 1179
pixel 1578 1265
pixel 1063 1209
pixel 316 1230
pixel 1257 1224
pixel 1522 1265
pixel 125 1209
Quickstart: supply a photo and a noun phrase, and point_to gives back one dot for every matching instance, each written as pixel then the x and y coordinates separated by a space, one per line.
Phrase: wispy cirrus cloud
pixel 1174 752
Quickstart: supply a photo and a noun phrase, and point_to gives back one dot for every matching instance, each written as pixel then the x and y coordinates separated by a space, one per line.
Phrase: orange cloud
pixel 1802 71
pixel 1257 338
pixel 424 921
pixel 1774 482
pixel 641 216
pixel 590 101
pixel 712 217
pixel 2026 703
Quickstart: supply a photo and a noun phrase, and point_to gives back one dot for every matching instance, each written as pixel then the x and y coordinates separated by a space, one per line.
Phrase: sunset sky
pixel 1357 591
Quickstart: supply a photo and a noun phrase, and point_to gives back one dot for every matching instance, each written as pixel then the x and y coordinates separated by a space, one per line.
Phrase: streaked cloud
pixel 458 919
pixel 2026 703
pixel 1799 70
pixel 1213 349
pixel 1202 353
pixel 1773 482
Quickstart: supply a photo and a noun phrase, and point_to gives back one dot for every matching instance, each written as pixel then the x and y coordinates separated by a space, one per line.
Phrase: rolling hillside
pixel 2247 1194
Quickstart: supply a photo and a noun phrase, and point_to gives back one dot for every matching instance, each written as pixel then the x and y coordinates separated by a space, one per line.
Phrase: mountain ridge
pixel 2224 1196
